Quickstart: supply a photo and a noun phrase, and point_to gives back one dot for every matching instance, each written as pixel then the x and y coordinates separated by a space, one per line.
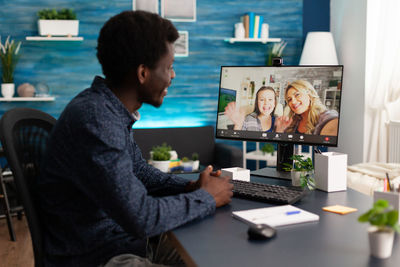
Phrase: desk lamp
pixel 319 49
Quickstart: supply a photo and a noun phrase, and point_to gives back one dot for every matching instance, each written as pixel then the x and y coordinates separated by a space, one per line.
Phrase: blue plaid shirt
pixel 98 196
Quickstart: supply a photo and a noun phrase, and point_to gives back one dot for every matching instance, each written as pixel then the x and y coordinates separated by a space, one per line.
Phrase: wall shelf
pixel 53 38
pixel 20 99
pixel 252 40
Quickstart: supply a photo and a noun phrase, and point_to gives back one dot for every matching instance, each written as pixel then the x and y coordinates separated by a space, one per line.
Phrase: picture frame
pixel 179 10
pixel 146 5
pixel 181 45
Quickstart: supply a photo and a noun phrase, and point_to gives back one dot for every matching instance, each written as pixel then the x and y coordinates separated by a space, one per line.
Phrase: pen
pixel 388 182
pixel 292 212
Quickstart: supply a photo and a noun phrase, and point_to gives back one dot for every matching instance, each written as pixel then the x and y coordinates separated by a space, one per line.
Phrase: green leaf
pixel 378 219
pixel 381 203
pixel 392 218
pixel 365 217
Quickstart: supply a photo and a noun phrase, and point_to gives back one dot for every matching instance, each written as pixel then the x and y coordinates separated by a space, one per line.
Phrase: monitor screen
pixel 291 104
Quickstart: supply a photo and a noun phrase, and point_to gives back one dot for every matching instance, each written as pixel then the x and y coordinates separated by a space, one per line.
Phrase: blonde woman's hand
pixel 282 123
pixel 237 116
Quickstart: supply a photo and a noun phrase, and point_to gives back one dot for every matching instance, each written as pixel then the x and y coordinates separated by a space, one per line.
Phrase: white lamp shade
pixel 319 49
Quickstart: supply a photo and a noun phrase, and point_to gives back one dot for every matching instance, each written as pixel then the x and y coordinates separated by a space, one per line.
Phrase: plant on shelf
pixel 302 171
pixel 9 58
pixel 195 156
pixel 384 222
pixel 275 50
pixel 196 161
pixel 268 148
pixel 52 14
pixel 61 22
pixel 161 157
pixel 161 153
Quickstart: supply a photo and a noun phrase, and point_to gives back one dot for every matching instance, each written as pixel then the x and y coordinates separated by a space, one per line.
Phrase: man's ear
pixel 142 73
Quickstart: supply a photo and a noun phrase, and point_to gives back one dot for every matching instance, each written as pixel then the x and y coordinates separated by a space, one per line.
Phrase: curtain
pixel 382 76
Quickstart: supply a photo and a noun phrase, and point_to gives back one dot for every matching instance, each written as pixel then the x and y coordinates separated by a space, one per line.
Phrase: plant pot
pixel 58 27
pixel 196 165
pixel 161 165
pixel 187 166
pixel 7 90
pixel 380 242
pixel 298 176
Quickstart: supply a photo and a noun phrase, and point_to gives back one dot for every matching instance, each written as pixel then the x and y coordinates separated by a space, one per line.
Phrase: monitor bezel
pixel 280 141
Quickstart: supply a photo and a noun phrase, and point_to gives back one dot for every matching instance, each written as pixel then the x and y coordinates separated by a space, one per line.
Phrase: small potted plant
pixel 61 22
pixel 268 149
pixel 302 172
pixel 384 222
pixel 187 164
pixel 9 58
pixel 161 157
pixel 195 161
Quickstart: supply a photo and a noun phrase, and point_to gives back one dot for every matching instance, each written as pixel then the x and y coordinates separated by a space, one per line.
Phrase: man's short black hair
pixel 132 38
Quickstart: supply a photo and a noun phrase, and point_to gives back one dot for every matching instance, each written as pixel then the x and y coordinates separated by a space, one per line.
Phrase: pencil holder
pixel 331 171
pixel 237 173
pixel 392 197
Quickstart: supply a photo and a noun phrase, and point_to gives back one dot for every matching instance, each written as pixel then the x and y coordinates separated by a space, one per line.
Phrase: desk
pixel 336 240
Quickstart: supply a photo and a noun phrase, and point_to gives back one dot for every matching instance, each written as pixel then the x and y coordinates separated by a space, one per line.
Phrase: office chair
pixel 24 133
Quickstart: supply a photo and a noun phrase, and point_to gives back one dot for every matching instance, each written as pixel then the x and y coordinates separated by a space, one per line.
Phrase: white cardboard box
pixel 237 173
pixel 331 171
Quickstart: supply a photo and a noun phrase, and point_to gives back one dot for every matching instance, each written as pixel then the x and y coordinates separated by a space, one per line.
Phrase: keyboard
pixel 277 194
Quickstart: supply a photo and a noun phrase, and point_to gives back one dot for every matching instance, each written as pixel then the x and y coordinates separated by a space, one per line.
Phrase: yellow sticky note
pixel 339 209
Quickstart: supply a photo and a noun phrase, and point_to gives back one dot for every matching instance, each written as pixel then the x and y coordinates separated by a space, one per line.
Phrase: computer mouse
pixel 261 232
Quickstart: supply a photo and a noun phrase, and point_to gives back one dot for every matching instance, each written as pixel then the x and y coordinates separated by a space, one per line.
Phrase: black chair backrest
pixel 24 133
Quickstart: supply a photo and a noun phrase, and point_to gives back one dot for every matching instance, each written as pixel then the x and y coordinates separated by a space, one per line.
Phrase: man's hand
pixel 218 187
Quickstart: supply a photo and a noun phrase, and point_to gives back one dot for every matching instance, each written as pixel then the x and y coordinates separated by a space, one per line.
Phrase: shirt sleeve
pixel 156 181
pixel 108 179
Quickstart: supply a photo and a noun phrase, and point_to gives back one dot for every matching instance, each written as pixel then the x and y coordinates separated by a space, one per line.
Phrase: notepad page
pixel 276 216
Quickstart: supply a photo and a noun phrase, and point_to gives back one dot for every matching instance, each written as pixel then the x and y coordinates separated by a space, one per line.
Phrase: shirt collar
pixel 99 84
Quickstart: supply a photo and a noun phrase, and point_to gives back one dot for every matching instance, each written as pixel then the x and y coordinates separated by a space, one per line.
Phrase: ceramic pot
pixel 380 242
pixel 196 165
pixel 187 166
pixel 7 90
pixel 161 165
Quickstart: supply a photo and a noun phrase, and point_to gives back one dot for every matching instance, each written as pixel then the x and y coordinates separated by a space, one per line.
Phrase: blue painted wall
pixel 316 16
pixel 69 67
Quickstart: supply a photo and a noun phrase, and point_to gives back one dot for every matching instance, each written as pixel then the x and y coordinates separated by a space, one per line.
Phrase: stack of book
pixel 252 25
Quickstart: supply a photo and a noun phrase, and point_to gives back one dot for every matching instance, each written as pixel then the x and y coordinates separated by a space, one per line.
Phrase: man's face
pixel 156 86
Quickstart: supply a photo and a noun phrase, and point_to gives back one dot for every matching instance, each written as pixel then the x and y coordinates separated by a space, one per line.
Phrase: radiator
pixel 394 142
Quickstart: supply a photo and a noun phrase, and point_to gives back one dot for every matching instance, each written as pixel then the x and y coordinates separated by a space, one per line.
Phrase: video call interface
pixel 299 104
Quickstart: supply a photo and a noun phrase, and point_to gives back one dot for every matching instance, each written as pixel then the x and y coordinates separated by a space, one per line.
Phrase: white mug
pixel 239 30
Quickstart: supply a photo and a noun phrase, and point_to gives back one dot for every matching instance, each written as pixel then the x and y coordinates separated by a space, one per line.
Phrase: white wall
pixel 348 26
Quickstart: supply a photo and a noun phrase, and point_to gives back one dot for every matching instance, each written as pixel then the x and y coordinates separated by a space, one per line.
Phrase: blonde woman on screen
pixel 261 119
pixel 307 114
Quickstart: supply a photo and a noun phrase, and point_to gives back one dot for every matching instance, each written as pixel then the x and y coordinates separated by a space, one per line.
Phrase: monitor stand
pixel 285 151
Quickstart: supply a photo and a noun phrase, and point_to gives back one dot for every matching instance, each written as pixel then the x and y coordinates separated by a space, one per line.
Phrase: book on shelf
pixel 251 24
pixel 256 26
pixel 246 25
pixel 261 21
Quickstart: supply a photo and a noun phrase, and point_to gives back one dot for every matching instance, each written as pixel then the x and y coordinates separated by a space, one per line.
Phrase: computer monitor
pixel 283 104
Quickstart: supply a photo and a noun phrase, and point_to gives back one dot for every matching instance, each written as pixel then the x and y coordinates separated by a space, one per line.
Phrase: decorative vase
pixel 26 90
pixel 239 30
pixel 380 242
pixel 7 90
pixel 196 165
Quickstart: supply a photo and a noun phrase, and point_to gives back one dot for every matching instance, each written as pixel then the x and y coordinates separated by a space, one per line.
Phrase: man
pixel 99 197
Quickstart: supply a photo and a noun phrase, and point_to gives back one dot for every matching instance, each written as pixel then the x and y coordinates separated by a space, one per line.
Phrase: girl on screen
pixel 307 114
pixel 260 119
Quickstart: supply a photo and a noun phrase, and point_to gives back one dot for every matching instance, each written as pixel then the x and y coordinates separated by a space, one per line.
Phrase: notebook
pixel 276 216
